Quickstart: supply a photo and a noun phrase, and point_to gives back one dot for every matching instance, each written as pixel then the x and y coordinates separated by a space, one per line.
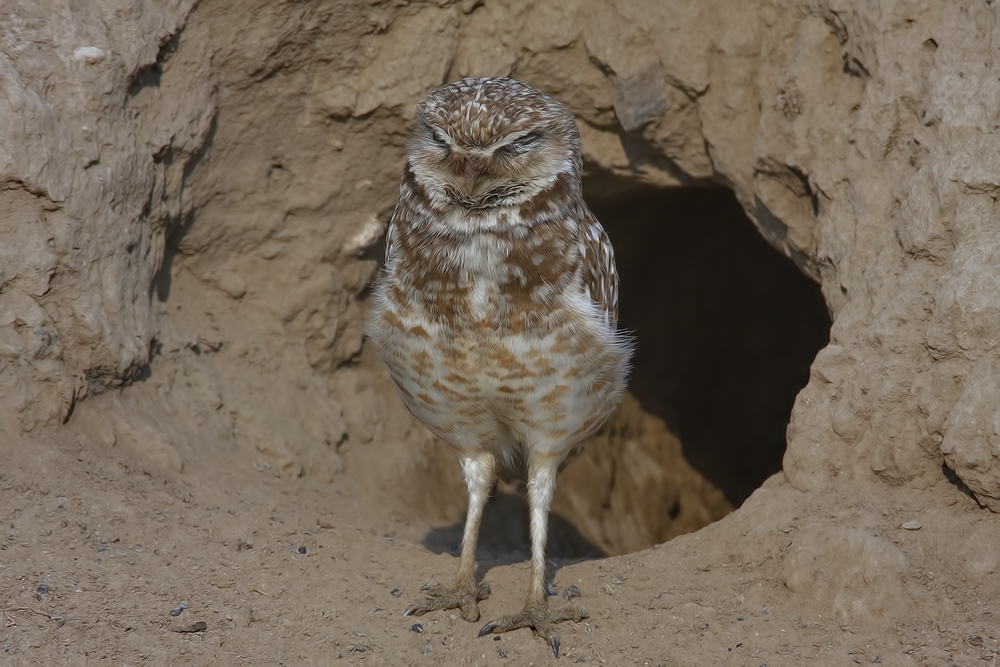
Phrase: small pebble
pixel 426 648
pixel 395 592
pixel 496 638
pixel 912 524
pixel 42 590
pixel 183 605
pixel 976 641
pixel 739 618
pixel 416 627
pixel 176 612
pixel 572 591
pixel 302 550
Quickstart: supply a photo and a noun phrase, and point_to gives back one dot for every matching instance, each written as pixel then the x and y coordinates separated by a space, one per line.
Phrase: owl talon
pixel 538 617
pixel 485 630
pixel 464 597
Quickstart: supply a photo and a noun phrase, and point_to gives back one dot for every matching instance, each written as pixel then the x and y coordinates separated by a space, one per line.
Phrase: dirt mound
pixel 191 200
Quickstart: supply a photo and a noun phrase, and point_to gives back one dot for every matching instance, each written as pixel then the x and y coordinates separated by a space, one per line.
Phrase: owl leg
pixel 536 613
pixel 465 594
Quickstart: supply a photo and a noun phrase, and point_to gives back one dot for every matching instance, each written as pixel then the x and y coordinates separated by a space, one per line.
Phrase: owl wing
pixel 397 237
pixel 600 279
pixel 390 240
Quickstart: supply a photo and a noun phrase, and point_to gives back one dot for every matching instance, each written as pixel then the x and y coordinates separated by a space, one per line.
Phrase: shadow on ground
pixel 504 537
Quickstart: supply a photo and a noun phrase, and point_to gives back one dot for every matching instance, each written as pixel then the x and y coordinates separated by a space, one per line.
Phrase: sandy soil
pixel 100 545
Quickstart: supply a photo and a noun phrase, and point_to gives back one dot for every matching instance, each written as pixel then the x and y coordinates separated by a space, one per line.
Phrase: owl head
pixel 485 143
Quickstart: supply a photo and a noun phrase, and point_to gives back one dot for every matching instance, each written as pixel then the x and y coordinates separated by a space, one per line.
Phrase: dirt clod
pixel 200 626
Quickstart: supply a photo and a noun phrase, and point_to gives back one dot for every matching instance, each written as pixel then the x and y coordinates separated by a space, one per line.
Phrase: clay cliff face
pixel 93 153
pixel 174 176
pixel 896 155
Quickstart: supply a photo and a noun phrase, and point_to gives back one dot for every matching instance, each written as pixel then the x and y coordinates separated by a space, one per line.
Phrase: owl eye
pixel 439 139
pixel 521 145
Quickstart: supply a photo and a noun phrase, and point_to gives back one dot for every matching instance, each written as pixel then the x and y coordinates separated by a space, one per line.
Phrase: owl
pixel 497 315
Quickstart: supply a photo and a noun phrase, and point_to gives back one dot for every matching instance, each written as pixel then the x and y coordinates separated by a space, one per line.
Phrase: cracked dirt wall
pixel 86 201
pixel 187 194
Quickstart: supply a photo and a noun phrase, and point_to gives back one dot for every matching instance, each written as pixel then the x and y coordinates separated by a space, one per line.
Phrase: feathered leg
pixel 465 594
pixel 536 613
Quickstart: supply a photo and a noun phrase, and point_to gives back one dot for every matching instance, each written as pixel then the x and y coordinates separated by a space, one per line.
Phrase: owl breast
pixel 493 342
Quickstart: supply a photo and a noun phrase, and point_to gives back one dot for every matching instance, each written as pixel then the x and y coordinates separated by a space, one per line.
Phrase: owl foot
pixel 538 617
pixel 464 597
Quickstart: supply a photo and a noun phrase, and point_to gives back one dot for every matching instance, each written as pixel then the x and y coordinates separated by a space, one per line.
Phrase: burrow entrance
pixel 727 329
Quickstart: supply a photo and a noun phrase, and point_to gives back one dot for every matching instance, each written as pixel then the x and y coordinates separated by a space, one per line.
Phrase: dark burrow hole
pixel 726 326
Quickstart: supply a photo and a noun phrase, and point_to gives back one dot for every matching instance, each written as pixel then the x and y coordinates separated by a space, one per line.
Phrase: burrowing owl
pixel 497 316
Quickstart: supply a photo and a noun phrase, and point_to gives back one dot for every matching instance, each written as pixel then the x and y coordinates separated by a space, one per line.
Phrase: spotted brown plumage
pixel 497 314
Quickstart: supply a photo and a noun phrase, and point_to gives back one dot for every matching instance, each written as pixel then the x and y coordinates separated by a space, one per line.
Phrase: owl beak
pixel 472 167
